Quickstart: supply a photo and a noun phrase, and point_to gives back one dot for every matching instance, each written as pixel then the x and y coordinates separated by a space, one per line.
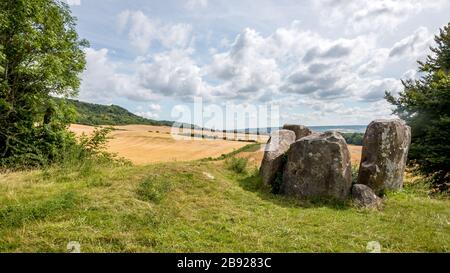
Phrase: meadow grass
pixel 174 207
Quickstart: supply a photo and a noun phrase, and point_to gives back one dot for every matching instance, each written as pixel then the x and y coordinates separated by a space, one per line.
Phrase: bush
pixel 89 151
pixel 355 172
pixel 237 164
pixel 153 189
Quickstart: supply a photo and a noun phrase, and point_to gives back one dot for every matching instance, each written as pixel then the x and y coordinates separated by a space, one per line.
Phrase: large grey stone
pixel 364 197
pixel 299 130
pixel 318 165
pixel 384 154
pixel 276 148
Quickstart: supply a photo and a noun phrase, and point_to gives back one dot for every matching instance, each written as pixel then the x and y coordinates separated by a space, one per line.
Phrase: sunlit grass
pixel 176 208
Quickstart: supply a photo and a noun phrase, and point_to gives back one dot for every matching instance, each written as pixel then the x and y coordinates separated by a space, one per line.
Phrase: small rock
pixel 364 197
pixel 209 176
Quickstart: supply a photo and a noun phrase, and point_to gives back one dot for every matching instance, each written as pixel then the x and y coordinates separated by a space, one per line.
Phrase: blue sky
pixel 321 62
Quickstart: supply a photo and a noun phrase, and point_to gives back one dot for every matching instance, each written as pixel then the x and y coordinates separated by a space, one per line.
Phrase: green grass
pixel 247 148
pixel 237 164
pixel 177 208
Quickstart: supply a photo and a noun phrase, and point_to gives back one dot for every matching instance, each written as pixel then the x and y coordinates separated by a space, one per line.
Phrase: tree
pixel 425 105
pixel 41 56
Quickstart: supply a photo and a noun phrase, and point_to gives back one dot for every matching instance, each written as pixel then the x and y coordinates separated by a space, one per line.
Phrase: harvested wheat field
pixel 143 144
pixel 255 158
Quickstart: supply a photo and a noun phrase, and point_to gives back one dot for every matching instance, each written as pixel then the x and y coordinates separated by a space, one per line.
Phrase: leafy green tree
pixel 425 105
pixel 41 56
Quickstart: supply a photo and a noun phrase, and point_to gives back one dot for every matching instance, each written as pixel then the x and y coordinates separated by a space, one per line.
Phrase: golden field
pixel 144 144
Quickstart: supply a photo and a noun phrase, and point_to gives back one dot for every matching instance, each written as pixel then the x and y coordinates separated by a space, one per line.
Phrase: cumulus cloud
pixel 112 83
pixel 144 31
pixel 376 89
pixel 173 73
pixel 415 45
pixel 245 68
pixel 291 64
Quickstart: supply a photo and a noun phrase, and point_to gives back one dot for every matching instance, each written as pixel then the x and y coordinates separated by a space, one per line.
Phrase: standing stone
pixel 276 148
pixel 364 197
pixel 384 154
pixel 299 130
pixel 318 165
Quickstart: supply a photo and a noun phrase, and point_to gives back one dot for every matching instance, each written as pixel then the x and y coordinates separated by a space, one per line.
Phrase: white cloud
pixel 245 69
pixel 101 82
pixel 376 89
pixel 371 15
pixel 290 65
pixel 74 2
pixel 325 113
pixel 144 31
pixel 290 60
pixel 173 73
pixel 155 107
pixel 415 45
pixel 196 4
pixel 149 115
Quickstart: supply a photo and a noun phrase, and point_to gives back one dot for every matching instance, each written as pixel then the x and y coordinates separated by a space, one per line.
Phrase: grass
pixel 247 148
pixel 237 164
pixel 176 208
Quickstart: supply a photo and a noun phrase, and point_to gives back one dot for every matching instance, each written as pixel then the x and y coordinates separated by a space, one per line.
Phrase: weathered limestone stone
pixel 364 197
pixel 318 165
pixel 277 146
pixel 299 130
pixel 384 154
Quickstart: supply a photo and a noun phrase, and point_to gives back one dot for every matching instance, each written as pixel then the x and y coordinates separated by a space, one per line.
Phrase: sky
pixel 319 62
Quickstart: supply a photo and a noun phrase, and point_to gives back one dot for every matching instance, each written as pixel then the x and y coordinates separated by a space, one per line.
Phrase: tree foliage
pixel 353 138
pixel 41 56
pixel 96 114
pixel 425 105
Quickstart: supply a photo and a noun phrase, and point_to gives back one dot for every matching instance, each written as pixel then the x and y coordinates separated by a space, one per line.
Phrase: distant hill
pixel 97 114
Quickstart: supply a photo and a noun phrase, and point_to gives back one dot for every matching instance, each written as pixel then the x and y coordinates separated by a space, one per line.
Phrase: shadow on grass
pixel 253 183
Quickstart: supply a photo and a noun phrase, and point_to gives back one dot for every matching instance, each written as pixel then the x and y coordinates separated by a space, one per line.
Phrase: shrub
pixel 355 171
pixel 153 189
pixel 237 164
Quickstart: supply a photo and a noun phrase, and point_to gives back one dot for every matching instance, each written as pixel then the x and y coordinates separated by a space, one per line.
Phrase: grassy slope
pixel 175 208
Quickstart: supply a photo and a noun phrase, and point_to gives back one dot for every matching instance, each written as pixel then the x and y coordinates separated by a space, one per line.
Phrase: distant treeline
pixel 96 114
pixel 353 138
